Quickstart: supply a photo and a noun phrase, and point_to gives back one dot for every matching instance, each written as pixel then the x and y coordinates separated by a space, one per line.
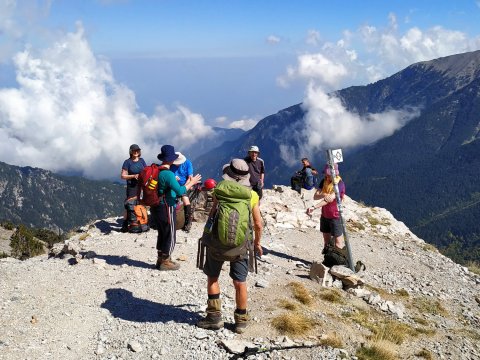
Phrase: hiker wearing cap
pixel 164 214
pixel 256 168
pixel 330 222
pixel 131 168
pixel 183 170
pixel 229 193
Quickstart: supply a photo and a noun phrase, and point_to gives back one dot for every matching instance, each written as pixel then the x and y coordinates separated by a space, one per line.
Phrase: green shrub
pixel 24 245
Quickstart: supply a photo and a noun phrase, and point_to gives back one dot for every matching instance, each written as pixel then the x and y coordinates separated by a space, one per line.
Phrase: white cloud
pixel 371 53
pixel 244 124
pixel 361 56
pixel 221 120
pixel 318 67
pixel 313 37
pixel 69 113
pixel 272 39
pixel 329 124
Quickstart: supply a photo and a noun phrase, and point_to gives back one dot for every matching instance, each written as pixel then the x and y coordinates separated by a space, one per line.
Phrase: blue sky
pixel 130 68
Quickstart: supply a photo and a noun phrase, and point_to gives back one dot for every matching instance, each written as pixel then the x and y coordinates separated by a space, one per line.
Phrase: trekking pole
pixel 340 208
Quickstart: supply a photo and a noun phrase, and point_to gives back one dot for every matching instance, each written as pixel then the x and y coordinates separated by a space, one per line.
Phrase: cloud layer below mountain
pixel 69 114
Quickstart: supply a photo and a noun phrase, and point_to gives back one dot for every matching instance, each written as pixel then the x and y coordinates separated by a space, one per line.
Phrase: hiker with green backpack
pixel 228 236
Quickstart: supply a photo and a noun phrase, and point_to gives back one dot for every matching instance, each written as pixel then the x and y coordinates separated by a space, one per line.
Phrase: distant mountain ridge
pixel 426 173
pixel 42 199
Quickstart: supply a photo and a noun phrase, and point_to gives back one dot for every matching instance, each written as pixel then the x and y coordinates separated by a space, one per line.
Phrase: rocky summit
pixel 98 296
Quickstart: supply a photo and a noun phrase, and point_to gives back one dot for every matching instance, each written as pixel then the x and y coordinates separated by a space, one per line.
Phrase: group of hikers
pixel 234 227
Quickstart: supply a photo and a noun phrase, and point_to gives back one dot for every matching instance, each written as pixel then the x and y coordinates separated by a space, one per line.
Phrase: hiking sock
pixel 213 319
pixel 241 320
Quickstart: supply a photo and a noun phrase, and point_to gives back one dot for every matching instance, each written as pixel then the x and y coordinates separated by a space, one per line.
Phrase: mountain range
pixel 43 199
pixel 425 173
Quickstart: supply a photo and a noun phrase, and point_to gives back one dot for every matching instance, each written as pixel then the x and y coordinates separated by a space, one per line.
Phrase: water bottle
pixel 209 225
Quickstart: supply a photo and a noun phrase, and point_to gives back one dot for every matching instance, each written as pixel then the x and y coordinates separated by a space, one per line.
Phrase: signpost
pixel 333 157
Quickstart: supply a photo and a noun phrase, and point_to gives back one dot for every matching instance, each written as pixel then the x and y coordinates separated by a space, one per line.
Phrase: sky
pixel 81 80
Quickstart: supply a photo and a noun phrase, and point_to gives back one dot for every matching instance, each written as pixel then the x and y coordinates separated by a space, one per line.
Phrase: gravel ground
pixel 115 305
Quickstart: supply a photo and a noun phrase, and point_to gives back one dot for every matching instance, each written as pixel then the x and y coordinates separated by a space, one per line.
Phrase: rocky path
pixel 113 304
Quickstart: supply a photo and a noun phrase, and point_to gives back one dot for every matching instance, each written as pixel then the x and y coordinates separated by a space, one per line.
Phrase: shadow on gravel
pixel 107 227
pixel 285 256
pixel 121 260
pixel 122 304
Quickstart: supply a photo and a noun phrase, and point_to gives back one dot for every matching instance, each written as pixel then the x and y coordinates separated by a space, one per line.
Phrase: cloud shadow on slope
pixel 122 304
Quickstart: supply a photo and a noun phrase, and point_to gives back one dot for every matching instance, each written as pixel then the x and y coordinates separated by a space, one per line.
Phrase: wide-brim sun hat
pixel 326 169
pixel 237 171
pixel 180 160
pixel 167 154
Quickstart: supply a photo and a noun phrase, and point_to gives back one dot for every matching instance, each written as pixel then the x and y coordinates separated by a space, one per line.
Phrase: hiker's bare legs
pixel 213 287
pixel 326 239
pixel 339 242
pixel 240 294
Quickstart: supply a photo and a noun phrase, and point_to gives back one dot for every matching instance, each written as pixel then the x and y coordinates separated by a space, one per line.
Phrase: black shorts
pixel 238 269
pixel 332 226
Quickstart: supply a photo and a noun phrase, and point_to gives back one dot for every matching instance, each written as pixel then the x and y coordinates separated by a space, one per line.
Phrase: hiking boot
pixel 165 263
pixel 241 322
pixel 213 320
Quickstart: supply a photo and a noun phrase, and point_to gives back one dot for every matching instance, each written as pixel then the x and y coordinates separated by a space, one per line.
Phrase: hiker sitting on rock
pixel 304 181
pixel 165 214
pixel 330 222
pixel 233 200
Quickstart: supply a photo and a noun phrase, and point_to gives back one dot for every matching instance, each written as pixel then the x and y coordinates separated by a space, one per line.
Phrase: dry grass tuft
pixel 402 292
pixel 420 321
pixel 424 353
pixel 83 236
pixel 288 305
pixel 332 340
pixel 380 350
pixel 355 226
pixel 301 293
pixel 393 331
pixel 429 306
pixel 473 267
pixel 331 295
pixel 429 247
pixel 384 328
pixel 292 323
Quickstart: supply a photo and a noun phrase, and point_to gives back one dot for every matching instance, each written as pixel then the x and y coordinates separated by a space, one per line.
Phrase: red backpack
pixel 147 191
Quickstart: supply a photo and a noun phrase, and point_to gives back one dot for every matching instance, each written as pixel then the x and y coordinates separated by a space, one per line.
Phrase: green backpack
pixel 231 232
